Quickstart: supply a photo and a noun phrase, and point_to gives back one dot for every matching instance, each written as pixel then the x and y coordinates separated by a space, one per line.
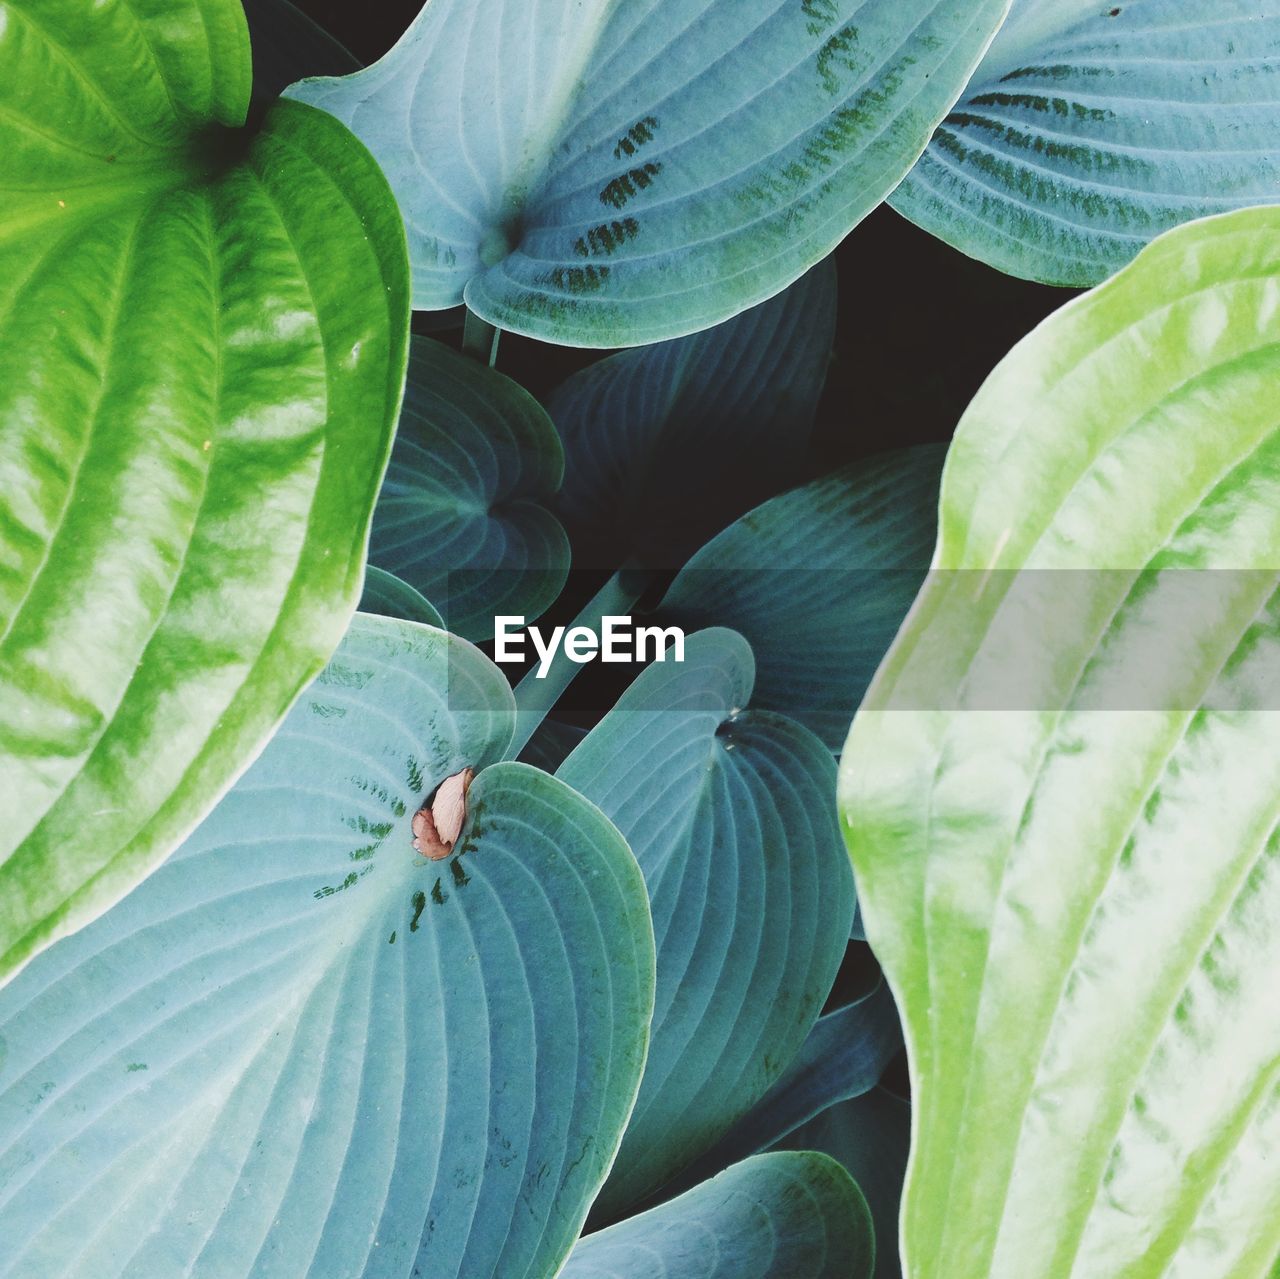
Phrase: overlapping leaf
pixel 729 813
pixel 1093 125
pixel 202 340
pixel 385 594
pixel 871 1136
pixel 666 444
pixel 773 1217
pixel 1061 794
pixel 461 515
pixel 301 1049
pixel 818 580
pixel 606 174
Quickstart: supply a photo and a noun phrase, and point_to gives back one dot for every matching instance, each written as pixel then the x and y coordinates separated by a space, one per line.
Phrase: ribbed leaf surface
pixel 202 340
pixel 1062 793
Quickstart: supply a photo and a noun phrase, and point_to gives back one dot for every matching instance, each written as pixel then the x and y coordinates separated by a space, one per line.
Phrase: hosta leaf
pixel 461 515
pixel 664 445
pixel 607 174
pixel 729 813
pixel 287 45
pixel 870 1135
pixel 202 341
pixel 1091 127
pixel 386 595
pixel 1061 794
pixel 843 1057
pixel 773 1217
pixel 299 1049
pixel 549 747
pixel 819 580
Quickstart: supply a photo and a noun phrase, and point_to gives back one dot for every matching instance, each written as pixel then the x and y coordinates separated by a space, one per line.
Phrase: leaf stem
pixel 480 339
pixel 535 697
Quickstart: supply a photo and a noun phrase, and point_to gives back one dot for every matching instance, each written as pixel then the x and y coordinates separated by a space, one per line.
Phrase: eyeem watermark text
pixel 618 640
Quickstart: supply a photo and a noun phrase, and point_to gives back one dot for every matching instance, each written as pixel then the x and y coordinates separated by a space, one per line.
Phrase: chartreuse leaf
pixel 777 1216
pixel 729 813
pixel 1093 125
pixel 461 515
pixel 666 444
pixel 608 174
pixel 871 1136
pixel 300 1049
pixel 1061 792
pixel 386 595
pixel 819 580
pixel 202 342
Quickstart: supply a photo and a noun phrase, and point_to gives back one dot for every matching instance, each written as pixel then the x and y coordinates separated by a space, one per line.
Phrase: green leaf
pixel 818 580
pixel 202 341
pixel 730 815
pixel 299 1048
pixel 773 1217
pixel 666 444
pixel 461 515
pixel 871 1136
pixel 605 174
pixel 1091 127
pixel 1061 792
pixel 386 595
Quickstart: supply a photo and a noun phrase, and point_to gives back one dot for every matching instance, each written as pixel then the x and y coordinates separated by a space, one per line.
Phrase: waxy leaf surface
pixel 202 342
pixel 666 444
pixel 819 580
pixel 730 815
pixel 1094 125
pixel 777 1216
pixel 462 515
pixel 607 174
pixel 300 1049
pixel 1062 792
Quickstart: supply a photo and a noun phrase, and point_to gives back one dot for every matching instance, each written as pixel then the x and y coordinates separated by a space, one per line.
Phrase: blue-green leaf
pixel 608 174
pixel 1094 125
pixel 461 515
pixel 778 1216
pixel 843 1057
pixel 819 580
pixel 300 1049
pixel 666 444
pixel 731 815
pixel 386 595
pixel 871 1136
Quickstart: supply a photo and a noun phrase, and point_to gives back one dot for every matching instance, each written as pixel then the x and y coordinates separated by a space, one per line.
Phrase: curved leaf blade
pixel 729 813
pixel 604 175
pixel 1060 794
pixel 201 347
pixel 666 444
pixel 871 1136
pixel 299 1048
pixel 1090 128
pixel 461 515
pixel 386 595
pixel 818 580
pixel 843 1057
pixel 772 1217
